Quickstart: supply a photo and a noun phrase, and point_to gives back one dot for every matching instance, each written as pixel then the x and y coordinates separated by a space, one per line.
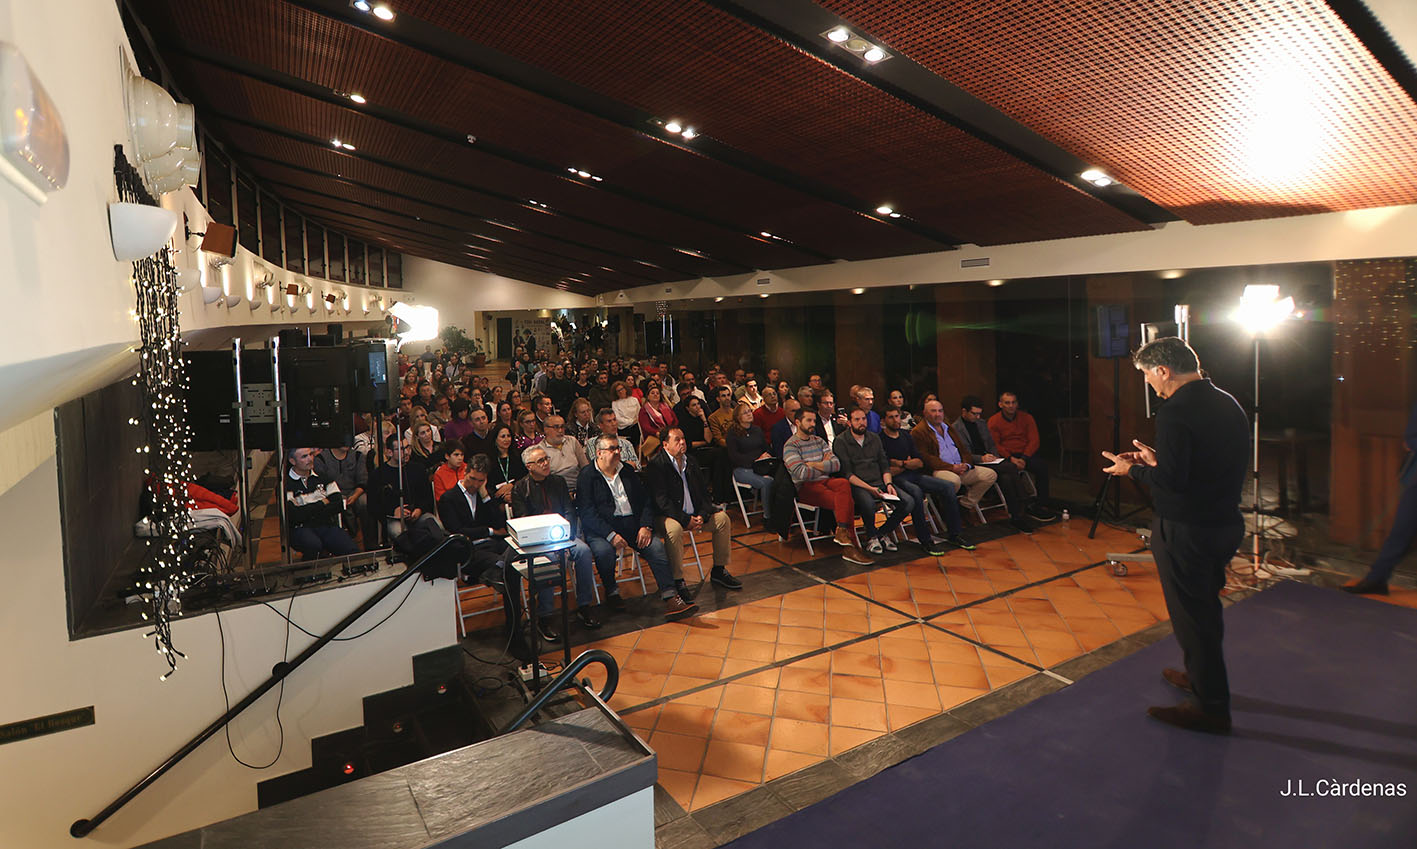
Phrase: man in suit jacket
pixel 616 514
pixel 542 492
pixel 783 430
pixel 947 458
pixel 681 500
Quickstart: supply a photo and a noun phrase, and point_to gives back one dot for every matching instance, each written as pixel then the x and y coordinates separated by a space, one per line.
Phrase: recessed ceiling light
pixel 335 142
pixel 358 98
pixel 346 145
pixel 858 291
pixel 895 214
pixel 718 300
pixel 996 282
pixel 383 13
pixel 674 127
pixel 765 234
pixel 690 133
pixel 763 295
pixel 1097 178
pixel 839 34
pixel 884 209
pixel 362 5
pixel 875 54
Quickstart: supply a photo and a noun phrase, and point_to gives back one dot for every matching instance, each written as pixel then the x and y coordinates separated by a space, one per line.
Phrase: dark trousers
pixel 1399 539
pixel 868 502
pixel 1035 466
pixel 1012 488
pixel 311 540
pixel 1191 560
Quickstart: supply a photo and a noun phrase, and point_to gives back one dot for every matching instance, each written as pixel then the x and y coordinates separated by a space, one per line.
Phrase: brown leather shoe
pixel 1190 717
pixel 676 608
pixel 844 538
pixel 1177 678
pixel 854 554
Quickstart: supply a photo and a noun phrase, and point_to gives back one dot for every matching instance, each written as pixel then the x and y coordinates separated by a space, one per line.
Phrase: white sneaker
pixel 873 546
pixel 889 544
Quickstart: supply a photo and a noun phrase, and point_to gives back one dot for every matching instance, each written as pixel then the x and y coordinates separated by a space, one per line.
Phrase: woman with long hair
pixel 747 444
pixel 784 391
pixel 655 413
pixel 410 384
pixel 515 399
pixel 506 415
pixel 580 425
pixel 528 430
pixel 627 411
pixel 896 401
pixel 426 449
pixel 507 467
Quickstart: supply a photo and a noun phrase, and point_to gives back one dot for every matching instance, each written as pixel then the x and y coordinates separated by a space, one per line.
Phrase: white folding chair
pixel 1024 476
pixel 738 487
pixel 807 536
pixel 979 508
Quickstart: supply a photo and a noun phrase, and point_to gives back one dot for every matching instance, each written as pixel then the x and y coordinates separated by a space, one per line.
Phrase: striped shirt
pixel 802 449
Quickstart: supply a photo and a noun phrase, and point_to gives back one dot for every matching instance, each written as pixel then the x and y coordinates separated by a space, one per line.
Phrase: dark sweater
pixel 1202 456
pixel 867 460
pixel 744 450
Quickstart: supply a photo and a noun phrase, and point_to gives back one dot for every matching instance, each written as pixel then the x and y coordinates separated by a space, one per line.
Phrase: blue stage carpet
pixel 1325 688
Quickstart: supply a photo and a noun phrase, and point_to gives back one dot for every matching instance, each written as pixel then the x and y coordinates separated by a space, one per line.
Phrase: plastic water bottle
pixel 1065 514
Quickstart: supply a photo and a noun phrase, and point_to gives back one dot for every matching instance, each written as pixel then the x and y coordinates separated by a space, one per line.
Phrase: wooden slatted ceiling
pixel 1221 110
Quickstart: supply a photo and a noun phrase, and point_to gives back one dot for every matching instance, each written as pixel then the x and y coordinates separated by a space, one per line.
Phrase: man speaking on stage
pixel 1196 473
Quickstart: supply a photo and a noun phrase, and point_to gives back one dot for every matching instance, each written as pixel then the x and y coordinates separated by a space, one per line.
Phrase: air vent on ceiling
pixel 980 262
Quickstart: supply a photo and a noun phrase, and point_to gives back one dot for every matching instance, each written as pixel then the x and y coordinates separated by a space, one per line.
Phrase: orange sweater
pixel 444 479
pixel 1019 436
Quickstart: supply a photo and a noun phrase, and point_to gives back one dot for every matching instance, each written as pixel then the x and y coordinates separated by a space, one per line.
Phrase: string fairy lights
pixel 163 577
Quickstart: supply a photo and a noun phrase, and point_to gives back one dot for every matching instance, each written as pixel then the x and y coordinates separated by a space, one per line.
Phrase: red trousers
pixel 833 494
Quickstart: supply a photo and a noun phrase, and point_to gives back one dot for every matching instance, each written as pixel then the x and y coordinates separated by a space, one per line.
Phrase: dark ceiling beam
pixel 430 242
pixel 424 37
pixel 801 24
pixel 428 222
pixel 1361 21
pixel 324 145
pixel 403 120
pixel 324 175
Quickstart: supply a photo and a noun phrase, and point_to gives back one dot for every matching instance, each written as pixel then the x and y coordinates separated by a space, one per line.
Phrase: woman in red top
pixel 655 414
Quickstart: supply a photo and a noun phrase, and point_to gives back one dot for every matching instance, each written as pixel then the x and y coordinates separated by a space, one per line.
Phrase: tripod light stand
pixel 1260 311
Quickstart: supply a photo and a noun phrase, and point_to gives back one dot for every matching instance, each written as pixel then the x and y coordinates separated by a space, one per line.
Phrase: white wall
pixel 48 782
pixel 1368 233
pixel 626 823
pixel 462 295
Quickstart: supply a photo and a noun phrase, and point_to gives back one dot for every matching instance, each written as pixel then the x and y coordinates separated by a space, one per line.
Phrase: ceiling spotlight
pixel 674 127
pixel 996 282
pixel 884 209
pixel 336 142
pixel 1097 178
pixel 346 145
pixel 765 234
pixel 838 35
pixel 362 5
pixel 853 43
pixel 358 98
pixel 383 13
pixel 718 300
pixel 875 54
pixel 690 133
pixel 858 291
pixel 895 214
pixel 763 295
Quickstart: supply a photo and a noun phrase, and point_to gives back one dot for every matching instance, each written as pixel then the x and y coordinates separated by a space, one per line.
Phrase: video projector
pixel 547 529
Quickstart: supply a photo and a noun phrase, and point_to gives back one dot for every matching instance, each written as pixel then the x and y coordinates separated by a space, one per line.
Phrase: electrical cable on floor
pixel 280 696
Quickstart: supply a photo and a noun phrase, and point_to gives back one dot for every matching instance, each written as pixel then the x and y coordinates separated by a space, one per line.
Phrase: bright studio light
pixel 1261 308
pixel 422 322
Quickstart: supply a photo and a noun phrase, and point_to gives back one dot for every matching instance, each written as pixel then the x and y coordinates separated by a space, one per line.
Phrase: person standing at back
pixel 1196 473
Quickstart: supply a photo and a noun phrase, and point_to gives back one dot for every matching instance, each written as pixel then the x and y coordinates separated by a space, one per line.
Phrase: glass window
pixel 294 241
pixel 315 249
pixel 270 229
pixel 356 262
pixel 393 261
pixel 336 270
pixel 218 184
pixel 246 209
pixel 376 266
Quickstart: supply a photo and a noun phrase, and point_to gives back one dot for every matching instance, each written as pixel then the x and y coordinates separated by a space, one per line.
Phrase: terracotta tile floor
pixel 740 696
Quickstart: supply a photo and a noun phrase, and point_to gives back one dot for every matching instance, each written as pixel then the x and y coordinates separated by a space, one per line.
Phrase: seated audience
pixel 461 424
pixel 947 457
pixel 749 394
pixel 681 502
pixel 864 462
pixel 655 413
pixel 974 432
pixel 783 430
pixel 1016 435
pixel 561 389
pixel 506 464
pixel 831 422
pixel 864 398
pixel 616 515
pixel 896 401
pixel 400 493
pixel 540 493
pixel 769 413
pixel 746 446
pixel 608 427
pixel 478 439
pixel 811 463
pixel 721 419
pixel 450 472
pixel 600 395
pixel 528 430
pixel 313 504
pixel 627 412
pixel 566 455
pixel 425 446
pixel 347 469
pixel 581 425
pixel 909 473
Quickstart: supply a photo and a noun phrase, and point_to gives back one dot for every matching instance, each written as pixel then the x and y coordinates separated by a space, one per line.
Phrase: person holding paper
pixel 868 470
pixel 974 433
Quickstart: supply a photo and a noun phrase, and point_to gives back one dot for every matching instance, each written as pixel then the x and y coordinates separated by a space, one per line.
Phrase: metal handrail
pixel 567 678
pixel 83 827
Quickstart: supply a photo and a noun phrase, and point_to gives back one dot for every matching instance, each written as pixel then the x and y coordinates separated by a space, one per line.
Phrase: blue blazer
pixel 596 505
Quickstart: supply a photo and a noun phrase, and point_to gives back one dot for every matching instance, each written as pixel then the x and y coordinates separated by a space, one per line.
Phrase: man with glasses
pixel 541 493
pixel 566 455
pixel 616 514
pixel 610 430
pixel 973 432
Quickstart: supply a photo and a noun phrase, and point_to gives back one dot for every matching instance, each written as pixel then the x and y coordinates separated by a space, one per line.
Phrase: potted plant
pixel 457 341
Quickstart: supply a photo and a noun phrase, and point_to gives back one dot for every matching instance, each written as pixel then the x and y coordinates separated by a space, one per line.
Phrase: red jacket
pixel 1019 436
